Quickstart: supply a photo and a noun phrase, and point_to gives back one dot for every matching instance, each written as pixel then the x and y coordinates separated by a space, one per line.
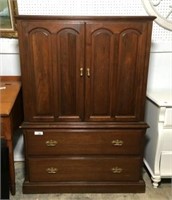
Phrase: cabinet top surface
pixel 161 98
pixel 106 18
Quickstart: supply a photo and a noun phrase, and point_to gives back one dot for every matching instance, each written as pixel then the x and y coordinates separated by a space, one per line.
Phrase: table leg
pixel 11 167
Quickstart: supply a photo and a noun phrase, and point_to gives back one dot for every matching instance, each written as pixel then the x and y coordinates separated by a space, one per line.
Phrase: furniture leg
pixel 11 167
pixel 156 181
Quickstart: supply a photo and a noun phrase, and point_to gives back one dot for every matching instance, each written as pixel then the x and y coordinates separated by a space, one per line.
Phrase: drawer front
pixel 166 164
pixel 84 142
pixel 85 169
pixel 166 139
pixel 168 118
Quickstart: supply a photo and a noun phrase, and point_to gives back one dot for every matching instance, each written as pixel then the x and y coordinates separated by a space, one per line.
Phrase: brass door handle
pixel 88 72
pixel 81 71
pixel 52 170
pixel 116 170
pixel 117 142
pixel 51 143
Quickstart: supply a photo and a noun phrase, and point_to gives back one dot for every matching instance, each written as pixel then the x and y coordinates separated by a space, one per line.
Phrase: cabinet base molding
pixel 83 187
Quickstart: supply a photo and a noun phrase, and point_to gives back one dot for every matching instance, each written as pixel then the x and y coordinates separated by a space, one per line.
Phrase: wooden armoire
pixel 84 88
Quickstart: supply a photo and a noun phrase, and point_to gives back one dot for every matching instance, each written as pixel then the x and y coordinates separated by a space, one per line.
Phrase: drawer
pixel 53 142
pixel 84 169
pixel 166 139
pixel 166 164
pixel 168 118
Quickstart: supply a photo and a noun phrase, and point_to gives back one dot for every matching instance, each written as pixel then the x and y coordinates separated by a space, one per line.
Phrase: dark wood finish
pixel 87 18
pixel 10 78
pixel 84 142
pixel 11 113
pixel 84 187
pixel 83 125
pixel 114 57
pixel 87 169
pixel 56 90
pixel 69 59
pixel 84 88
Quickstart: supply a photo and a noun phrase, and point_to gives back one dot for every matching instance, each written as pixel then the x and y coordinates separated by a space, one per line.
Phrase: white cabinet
pixel 158 150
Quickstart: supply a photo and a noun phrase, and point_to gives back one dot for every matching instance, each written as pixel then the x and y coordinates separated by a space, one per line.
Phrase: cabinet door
pixel 52 55
pixel 69 71
pixel 37 71
pixel 116 77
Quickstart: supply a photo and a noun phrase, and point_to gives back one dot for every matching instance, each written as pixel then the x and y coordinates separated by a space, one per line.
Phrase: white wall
pixel 160 69
pixel 9 57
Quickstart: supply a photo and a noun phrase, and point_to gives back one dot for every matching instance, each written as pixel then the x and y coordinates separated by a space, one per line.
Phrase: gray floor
pixel 164 192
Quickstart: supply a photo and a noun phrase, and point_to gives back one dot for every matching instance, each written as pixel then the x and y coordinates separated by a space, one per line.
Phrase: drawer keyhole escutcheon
pixel 51 143
pixel 51 170
pixel 116 170
pixel 117 142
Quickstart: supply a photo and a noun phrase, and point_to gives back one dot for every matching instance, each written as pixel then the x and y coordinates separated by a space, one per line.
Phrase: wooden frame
pixel 7 20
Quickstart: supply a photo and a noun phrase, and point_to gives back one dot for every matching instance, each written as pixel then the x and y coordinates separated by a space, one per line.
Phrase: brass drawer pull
pixel 88 72
pixel 117 142
pixel 51 143
pixel 117 170
pixel 81 71
pixel 51 170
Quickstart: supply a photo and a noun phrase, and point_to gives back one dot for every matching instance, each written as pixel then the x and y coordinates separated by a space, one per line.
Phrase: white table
pixel 158 150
